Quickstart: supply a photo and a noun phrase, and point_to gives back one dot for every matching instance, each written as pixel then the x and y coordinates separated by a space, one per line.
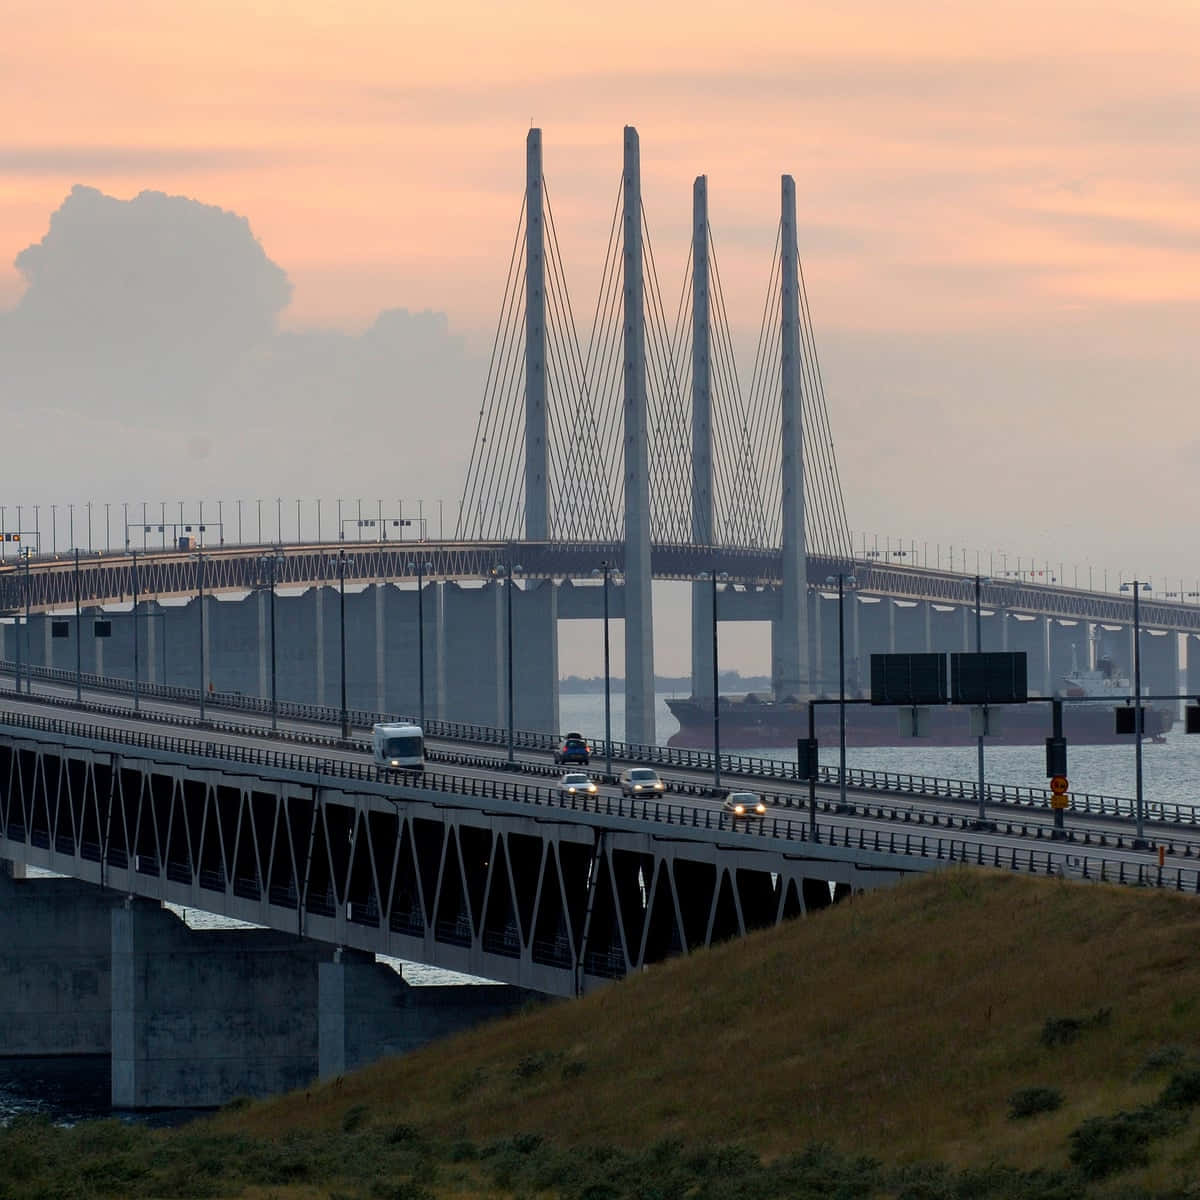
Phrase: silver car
pixel 641 781
pixel 744 806
pixel 576 783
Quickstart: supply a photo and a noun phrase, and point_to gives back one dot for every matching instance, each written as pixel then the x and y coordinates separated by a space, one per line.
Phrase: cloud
pixel 136 307
pixel 144 360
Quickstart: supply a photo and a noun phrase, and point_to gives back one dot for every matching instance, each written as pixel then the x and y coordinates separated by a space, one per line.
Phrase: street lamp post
pixel 419 567
pixel 200 602
pixel 78 635
pixel 981 819
pixel 843 582
pixel 608 571
pixel 342 616
pixel 716 689
pixel 509 574
pixel 134 614
pixel 270 561
pixel 28 643
pixel 1136 586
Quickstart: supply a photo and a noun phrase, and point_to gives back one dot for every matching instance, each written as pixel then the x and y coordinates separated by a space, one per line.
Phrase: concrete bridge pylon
pixel 639 611
pixel 790 654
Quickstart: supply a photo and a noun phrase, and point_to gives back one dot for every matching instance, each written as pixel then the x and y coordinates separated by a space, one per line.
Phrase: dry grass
pixel 895 1025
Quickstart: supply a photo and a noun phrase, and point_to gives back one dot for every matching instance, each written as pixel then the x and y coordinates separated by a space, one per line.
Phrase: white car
pixel 641 781
pixel 576 783
pixel 745 805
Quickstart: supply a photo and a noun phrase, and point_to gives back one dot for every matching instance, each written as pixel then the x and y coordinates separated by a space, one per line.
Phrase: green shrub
pixel 1159 1060
pixel 1182 1090
pixel 1031 1101
pixel 468 1083
pixel 355 1117
pixel 530 1065
pixel 1061 1031
pixel 1103 1146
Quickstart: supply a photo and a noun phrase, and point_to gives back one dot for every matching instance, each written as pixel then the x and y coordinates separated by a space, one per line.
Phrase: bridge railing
pixel 747 767
pixel 929 848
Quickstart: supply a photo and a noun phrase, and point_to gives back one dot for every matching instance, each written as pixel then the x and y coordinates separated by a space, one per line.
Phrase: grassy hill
pixel 878 1049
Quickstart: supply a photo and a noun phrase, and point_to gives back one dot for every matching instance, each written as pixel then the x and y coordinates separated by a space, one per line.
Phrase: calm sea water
pixel 1170 770
pixel 69 1090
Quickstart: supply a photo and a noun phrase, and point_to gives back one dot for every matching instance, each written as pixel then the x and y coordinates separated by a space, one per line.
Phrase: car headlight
pixel 739 809
pixel 637 787
pixel 395 762
pixel 571 790
pixel 592 787
pixel 761 810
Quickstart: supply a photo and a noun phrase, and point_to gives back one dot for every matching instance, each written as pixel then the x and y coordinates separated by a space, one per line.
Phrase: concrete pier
pixel 192 1018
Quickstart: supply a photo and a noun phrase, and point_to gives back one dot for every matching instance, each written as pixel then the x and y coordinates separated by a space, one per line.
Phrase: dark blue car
pixel 573 750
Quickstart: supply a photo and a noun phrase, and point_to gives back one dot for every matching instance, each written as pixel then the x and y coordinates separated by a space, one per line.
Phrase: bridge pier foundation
pixel 54 966
pixel 1193 664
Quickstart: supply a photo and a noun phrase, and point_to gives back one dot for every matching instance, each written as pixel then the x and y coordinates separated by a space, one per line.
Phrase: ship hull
pixel 761 726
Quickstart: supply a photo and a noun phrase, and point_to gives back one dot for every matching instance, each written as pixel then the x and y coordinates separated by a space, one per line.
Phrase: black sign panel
pixel 995 677
pixel 104 629
pixel 806 758
pixel 908 679
pixel 1191 717
pixel 1127 719
pixel 60 629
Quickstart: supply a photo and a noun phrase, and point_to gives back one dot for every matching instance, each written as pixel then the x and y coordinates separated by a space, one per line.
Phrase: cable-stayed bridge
pixel 634 451
pixel 634 454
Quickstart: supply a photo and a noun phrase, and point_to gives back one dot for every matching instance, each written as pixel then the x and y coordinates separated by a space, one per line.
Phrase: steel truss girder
pixel 535 899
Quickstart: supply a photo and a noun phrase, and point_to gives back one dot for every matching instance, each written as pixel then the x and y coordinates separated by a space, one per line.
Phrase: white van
pixel 399 747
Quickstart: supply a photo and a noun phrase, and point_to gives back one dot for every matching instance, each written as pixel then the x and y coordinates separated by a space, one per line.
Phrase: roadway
pixel 890 818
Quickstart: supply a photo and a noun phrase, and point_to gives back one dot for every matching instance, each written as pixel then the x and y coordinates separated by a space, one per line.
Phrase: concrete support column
pixel 319 641
pixel 380 589
pixel 264 634
pixel 54 966
pixel 639 611
pixel 472 640
pixel 153 637
pixel 1193 665
pixel 200 1017
pixel 1160 662
pixel 1047 672
pixel 702 504
pixel 792 670
pixel 535 656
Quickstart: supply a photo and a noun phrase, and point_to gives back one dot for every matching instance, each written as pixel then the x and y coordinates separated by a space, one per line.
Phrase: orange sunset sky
pixel 999 211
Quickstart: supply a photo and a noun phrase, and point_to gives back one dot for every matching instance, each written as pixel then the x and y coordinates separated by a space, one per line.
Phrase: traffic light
pixel 12 537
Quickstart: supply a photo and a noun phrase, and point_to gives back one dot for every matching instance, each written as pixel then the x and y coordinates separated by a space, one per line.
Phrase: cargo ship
pixel 759 723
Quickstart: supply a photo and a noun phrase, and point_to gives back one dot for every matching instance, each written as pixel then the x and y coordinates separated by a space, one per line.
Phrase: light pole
pixel 28 643
pixel 419 568
pixel 981 819
pixel 342 615
pixel 843 582
pixel 1136 586
pixel 134 614
pixel 511 572
pixel 78 637
pixel 270 561
pixel 609 571
pixel 716 689
pixel 200 602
